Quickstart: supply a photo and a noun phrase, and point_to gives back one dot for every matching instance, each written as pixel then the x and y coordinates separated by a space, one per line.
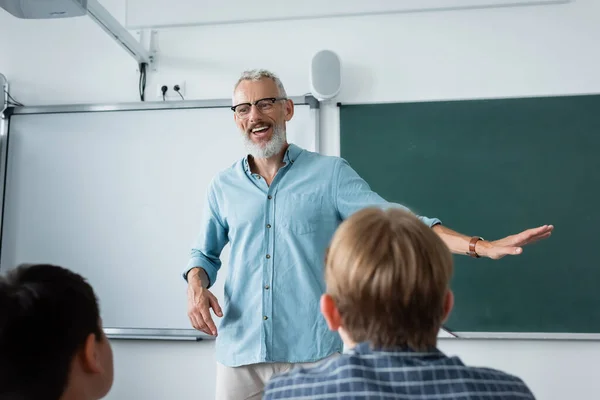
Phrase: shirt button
pixel 268 256
pixel 269 197
pixel 265 318
pixel 268 225
pixel 267 287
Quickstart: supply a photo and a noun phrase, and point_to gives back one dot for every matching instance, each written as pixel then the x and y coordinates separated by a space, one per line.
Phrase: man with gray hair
pixel 279 207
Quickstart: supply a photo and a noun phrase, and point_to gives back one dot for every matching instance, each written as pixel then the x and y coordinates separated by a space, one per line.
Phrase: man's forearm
pixel 459 243
pixel 198 274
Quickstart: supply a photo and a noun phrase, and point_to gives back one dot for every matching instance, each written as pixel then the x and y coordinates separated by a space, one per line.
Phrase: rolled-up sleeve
pixel 352 193
pixel 211 239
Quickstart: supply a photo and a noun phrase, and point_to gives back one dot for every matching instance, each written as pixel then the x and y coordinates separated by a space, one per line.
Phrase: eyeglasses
pixel 264 105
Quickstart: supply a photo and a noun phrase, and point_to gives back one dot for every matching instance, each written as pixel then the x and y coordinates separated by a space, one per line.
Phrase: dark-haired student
pixel 52 346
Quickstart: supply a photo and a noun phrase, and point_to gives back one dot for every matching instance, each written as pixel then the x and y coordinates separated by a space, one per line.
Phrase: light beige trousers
pixel 247 382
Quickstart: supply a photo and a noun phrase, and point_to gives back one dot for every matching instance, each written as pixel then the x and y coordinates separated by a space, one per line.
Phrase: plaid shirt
pixel 363 373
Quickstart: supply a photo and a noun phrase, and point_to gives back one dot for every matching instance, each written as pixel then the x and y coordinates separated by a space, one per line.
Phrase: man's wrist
pixel 197 275
pixel 481 247
pixel 477 247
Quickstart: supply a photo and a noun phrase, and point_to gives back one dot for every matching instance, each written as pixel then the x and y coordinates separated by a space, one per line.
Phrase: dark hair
pixel 46 314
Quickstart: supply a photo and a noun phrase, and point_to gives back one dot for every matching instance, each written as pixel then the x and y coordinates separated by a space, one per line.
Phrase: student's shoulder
pixel 510 384
pixel 286 385
pixel 299 380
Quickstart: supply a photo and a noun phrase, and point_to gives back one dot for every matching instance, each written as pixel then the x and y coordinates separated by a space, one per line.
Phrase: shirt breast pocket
pixel 301 213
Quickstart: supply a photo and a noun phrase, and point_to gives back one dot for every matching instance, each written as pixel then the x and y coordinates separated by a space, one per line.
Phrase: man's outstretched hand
pixel 513 244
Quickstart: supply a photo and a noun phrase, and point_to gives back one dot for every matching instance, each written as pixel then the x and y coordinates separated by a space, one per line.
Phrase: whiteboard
pixel 117 196
pixel 160 13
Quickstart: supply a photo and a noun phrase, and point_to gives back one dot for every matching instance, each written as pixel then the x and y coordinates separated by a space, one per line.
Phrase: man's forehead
pixel 249 90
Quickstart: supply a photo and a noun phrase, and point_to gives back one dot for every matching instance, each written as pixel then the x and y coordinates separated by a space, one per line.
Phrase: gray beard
pixel 273 147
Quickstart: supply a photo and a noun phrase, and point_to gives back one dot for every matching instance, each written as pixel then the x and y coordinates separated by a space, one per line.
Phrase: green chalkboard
pixel 492 168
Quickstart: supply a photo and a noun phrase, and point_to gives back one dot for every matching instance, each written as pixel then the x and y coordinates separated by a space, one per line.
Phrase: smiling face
pixel 261 115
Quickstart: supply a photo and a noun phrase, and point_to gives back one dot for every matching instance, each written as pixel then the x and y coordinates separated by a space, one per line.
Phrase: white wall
pixel 523 51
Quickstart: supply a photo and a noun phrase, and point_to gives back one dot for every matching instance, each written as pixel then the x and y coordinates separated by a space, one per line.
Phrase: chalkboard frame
pixel 353 158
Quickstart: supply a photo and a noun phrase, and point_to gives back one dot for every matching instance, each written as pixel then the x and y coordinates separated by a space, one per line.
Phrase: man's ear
pixel 330 312
pixel 448 304
pixel 289 109
pixel 89 355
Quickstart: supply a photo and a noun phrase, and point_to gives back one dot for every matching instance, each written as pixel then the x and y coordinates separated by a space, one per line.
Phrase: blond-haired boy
pixel 387 277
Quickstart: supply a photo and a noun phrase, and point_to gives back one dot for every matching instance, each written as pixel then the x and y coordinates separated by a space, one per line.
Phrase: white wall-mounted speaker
pixel 325 75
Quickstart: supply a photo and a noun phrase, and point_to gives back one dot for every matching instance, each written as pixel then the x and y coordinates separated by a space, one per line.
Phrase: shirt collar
pixel 366 348
pixel 290 156
pixel 292 153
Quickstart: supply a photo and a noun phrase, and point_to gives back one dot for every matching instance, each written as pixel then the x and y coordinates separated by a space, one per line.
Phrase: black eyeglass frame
pixel 273 100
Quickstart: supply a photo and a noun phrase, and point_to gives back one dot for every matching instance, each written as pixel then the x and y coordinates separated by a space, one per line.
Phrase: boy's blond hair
pixel 388 274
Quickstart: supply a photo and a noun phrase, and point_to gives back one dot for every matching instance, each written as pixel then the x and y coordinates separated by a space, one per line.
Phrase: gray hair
pixel 257 74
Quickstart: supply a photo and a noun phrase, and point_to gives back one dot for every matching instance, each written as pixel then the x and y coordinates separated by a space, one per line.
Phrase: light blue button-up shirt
pixel 278 236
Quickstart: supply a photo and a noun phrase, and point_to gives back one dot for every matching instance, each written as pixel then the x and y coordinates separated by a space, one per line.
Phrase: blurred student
pixel 52 346
pixel 387 294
